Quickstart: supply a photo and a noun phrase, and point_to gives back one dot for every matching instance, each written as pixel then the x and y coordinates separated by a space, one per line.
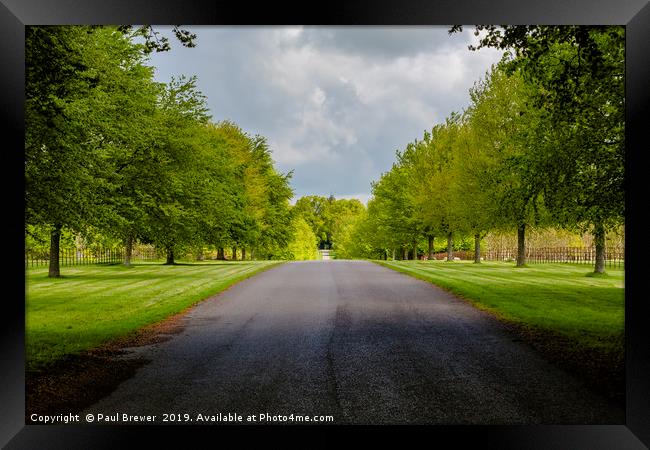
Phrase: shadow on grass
pixel 130 273
pixel 215 263
pixel 597 275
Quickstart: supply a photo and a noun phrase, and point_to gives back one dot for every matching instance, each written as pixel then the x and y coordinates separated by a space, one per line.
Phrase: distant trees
pixel 327 216
pixel 304 243
pixel 107 148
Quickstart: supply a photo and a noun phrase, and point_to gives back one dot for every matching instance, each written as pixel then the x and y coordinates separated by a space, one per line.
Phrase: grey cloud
pixel 375 41
pixel 336 102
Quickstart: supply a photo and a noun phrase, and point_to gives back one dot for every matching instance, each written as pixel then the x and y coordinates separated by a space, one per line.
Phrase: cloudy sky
pixel 334 102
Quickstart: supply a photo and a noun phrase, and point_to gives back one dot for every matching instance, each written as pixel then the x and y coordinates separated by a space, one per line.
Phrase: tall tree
pixel 172 215
pixel 86 89
pixel 56 185
pixel 431 162
pixel 394 210
pixel 503 124
pixel 474 202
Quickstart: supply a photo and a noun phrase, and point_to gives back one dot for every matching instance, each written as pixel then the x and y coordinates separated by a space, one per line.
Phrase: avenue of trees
pixel 540 145
pixel 112 154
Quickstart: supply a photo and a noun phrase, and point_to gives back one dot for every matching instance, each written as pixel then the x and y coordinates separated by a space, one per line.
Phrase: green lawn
pixel 90 305
pixel 557 298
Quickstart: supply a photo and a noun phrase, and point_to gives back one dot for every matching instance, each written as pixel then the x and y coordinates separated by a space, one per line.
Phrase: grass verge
pixel 92 305
pixel 575 319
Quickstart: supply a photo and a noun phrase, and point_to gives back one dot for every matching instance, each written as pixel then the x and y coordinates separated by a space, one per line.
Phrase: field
pixel 90 305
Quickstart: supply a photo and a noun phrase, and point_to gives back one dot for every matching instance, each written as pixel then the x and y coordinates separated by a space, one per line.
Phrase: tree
pixel 393 208
pixel 56 188
pixel 503 128
pixel 269 196
pixel 90 100
pixel 316 211
pixel 304 243
pixel 432 180
pixel 110 152
pixel 474 201
pixel 87 89
pixel 173 218
pixel 344 213
pixel 122 114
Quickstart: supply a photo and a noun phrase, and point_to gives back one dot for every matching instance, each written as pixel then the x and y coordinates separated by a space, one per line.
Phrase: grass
pixel 91 305
pixel 558 299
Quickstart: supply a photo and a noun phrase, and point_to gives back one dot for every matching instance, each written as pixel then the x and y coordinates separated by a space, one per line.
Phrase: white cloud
pixel 292 32
pixel 318 96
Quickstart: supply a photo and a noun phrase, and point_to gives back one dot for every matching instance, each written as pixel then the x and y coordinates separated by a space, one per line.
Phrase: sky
pixel 335 103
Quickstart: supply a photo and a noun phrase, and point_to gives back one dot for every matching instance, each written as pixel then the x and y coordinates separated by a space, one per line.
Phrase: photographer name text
pixel 180 417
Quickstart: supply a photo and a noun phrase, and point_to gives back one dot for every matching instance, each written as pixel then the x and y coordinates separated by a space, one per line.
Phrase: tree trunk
pixel 170 257
pixel 415 250
pixel 599 241
pixel 221 254
pixel 477 248
pixel 405 254
pixel 450 247
pixel 252 254
pixel 128 251
pixel 55 244
pixel 430 247
pixel 234 253
pixel 243 253
pixel 521 245
pixel 393 254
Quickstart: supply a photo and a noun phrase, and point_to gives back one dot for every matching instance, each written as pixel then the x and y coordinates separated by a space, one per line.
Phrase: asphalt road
pixel 356 341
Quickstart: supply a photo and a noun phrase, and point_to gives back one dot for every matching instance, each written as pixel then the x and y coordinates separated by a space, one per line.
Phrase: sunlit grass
pixel 91 305
pixel 560 298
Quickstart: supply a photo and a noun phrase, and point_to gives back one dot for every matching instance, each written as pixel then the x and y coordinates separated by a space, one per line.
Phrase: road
pixel 356 341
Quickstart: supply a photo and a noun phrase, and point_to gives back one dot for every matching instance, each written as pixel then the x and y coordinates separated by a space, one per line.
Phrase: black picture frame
pixel 634 14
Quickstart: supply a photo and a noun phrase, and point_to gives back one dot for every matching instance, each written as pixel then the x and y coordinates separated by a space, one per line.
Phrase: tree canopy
pixel 108 148
pixel 541 144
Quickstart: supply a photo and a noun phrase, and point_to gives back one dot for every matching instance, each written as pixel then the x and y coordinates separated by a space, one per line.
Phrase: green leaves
pixel 542 143
pixel 328 218
pixel 108 148
pixel 304 243
pixel 577 79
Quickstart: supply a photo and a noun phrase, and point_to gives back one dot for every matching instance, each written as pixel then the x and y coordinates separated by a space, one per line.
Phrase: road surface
pixel 354 341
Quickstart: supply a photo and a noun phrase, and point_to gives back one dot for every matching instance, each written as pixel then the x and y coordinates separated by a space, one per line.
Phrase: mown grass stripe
pixel 91 305
pixel 555 297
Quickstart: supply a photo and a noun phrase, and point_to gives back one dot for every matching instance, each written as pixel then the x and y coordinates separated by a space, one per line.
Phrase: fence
pixel 460 254
pixel 76 257
pixel 614 256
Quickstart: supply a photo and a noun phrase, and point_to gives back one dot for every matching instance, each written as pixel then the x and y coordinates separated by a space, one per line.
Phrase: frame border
pixel 635 14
